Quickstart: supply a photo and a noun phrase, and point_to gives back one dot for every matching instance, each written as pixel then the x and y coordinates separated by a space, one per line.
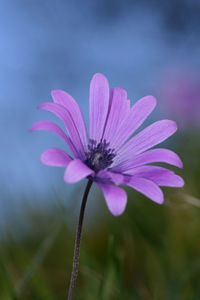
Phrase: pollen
pixel 99 155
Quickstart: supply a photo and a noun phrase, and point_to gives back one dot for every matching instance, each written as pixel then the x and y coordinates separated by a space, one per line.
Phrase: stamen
pixel 99 156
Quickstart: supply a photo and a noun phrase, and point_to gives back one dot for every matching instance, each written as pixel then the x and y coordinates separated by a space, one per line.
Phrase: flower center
pixel 99 156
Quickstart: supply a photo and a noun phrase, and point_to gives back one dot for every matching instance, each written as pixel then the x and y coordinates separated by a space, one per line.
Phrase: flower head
pixel 109 156
pixel 180 91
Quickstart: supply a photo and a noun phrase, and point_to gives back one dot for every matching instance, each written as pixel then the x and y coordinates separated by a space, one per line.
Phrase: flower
pixel 109 156
pixel 180 91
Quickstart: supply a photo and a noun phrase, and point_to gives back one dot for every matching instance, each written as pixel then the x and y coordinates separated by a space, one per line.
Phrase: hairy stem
pixel 77 243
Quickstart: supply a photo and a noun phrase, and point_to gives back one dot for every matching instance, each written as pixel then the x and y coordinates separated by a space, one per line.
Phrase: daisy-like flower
pixel 110 156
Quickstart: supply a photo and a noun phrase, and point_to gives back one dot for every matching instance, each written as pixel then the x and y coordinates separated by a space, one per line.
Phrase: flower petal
pixel 117 112
pixel 147 188
pixel 138 113
pixel 55 157
pixel 151 156
pixel 76 171
pixel 159 175
pixel 110 177
pixel 66 100
pixel 147 138
pixel 99 103
pixel 116 198
pixel 50 126
pixel 62 113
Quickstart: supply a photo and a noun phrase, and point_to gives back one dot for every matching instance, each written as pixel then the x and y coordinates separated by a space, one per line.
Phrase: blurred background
pixel 146 47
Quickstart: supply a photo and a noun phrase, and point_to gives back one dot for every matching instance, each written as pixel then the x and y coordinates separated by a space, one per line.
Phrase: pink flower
pixel 108 156
pixel 180 91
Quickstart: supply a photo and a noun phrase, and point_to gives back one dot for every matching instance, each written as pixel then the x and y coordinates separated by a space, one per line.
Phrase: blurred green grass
pixel 151 252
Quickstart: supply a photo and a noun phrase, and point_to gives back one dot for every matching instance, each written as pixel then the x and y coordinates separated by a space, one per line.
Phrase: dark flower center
pixel 99 156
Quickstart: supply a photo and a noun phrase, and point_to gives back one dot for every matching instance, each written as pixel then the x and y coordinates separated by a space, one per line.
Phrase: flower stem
pixel 74 274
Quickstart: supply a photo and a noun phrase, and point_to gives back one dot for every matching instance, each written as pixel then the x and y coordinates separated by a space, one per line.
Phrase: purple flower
pixel 180 91
pixel 109 156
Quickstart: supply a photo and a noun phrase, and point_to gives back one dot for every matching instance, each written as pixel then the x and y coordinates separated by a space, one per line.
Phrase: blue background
pixel 47 45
